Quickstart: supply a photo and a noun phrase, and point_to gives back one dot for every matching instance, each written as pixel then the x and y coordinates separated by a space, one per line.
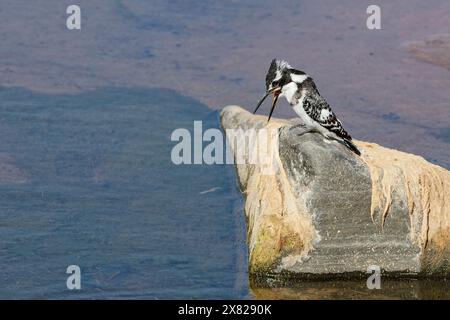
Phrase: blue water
pixel 99 190
pixel 87 180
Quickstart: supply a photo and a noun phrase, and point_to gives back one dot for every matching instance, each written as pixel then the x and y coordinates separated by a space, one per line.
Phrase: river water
pixel 88 180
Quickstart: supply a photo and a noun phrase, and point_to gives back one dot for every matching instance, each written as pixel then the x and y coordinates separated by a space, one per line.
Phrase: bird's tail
pixel 349 144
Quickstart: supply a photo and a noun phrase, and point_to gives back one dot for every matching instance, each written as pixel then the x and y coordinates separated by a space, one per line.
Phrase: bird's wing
pixel 319 110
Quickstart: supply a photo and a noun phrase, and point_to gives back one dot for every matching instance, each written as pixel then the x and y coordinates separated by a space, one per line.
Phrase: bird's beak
pixel 276 92
pixel 274 103
pixel 261 101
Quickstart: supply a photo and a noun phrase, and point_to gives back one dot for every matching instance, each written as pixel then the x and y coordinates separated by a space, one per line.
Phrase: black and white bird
pixel 301 92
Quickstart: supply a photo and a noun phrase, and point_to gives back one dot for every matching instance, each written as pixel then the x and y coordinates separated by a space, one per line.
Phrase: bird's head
pixel 279 76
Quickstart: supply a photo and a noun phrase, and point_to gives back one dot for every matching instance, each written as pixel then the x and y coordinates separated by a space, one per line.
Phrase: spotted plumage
pixel 319 110
pixel 302 94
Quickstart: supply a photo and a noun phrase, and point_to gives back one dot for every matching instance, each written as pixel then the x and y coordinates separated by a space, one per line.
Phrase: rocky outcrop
pixel 322 210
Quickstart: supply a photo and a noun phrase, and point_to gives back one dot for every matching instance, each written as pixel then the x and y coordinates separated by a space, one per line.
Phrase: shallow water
pixel 391 289
pixel 101 192
pixel 88 180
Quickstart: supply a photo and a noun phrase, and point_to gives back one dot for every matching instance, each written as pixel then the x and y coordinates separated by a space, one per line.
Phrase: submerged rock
pixel 434 49
pixel 323 210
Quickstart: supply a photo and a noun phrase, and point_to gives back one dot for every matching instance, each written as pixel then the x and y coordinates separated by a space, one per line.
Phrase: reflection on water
pixel 352 289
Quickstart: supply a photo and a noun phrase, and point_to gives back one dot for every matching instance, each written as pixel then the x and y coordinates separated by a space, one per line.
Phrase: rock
pixel 322 210
pixel 434 49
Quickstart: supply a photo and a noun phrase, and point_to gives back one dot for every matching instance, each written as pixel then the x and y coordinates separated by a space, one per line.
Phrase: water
pixel 392 289
pixel 87 179
pixel 92 184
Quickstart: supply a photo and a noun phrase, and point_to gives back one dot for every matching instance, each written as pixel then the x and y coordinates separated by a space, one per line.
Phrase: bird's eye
pixel 275 83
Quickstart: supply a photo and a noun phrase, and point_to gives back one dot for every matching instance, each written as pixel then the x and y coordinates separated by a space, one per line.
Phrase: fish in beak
pixel 276 92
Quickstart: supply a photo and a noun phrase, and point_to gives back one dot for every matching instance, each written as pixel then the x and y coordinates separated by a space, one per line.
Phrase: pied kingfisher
pixel 300 91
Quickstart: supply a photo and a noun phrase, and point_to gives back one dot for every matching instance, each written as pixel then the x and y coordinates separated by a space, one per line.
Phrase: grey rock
pixel 339 188
pixel 326 211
